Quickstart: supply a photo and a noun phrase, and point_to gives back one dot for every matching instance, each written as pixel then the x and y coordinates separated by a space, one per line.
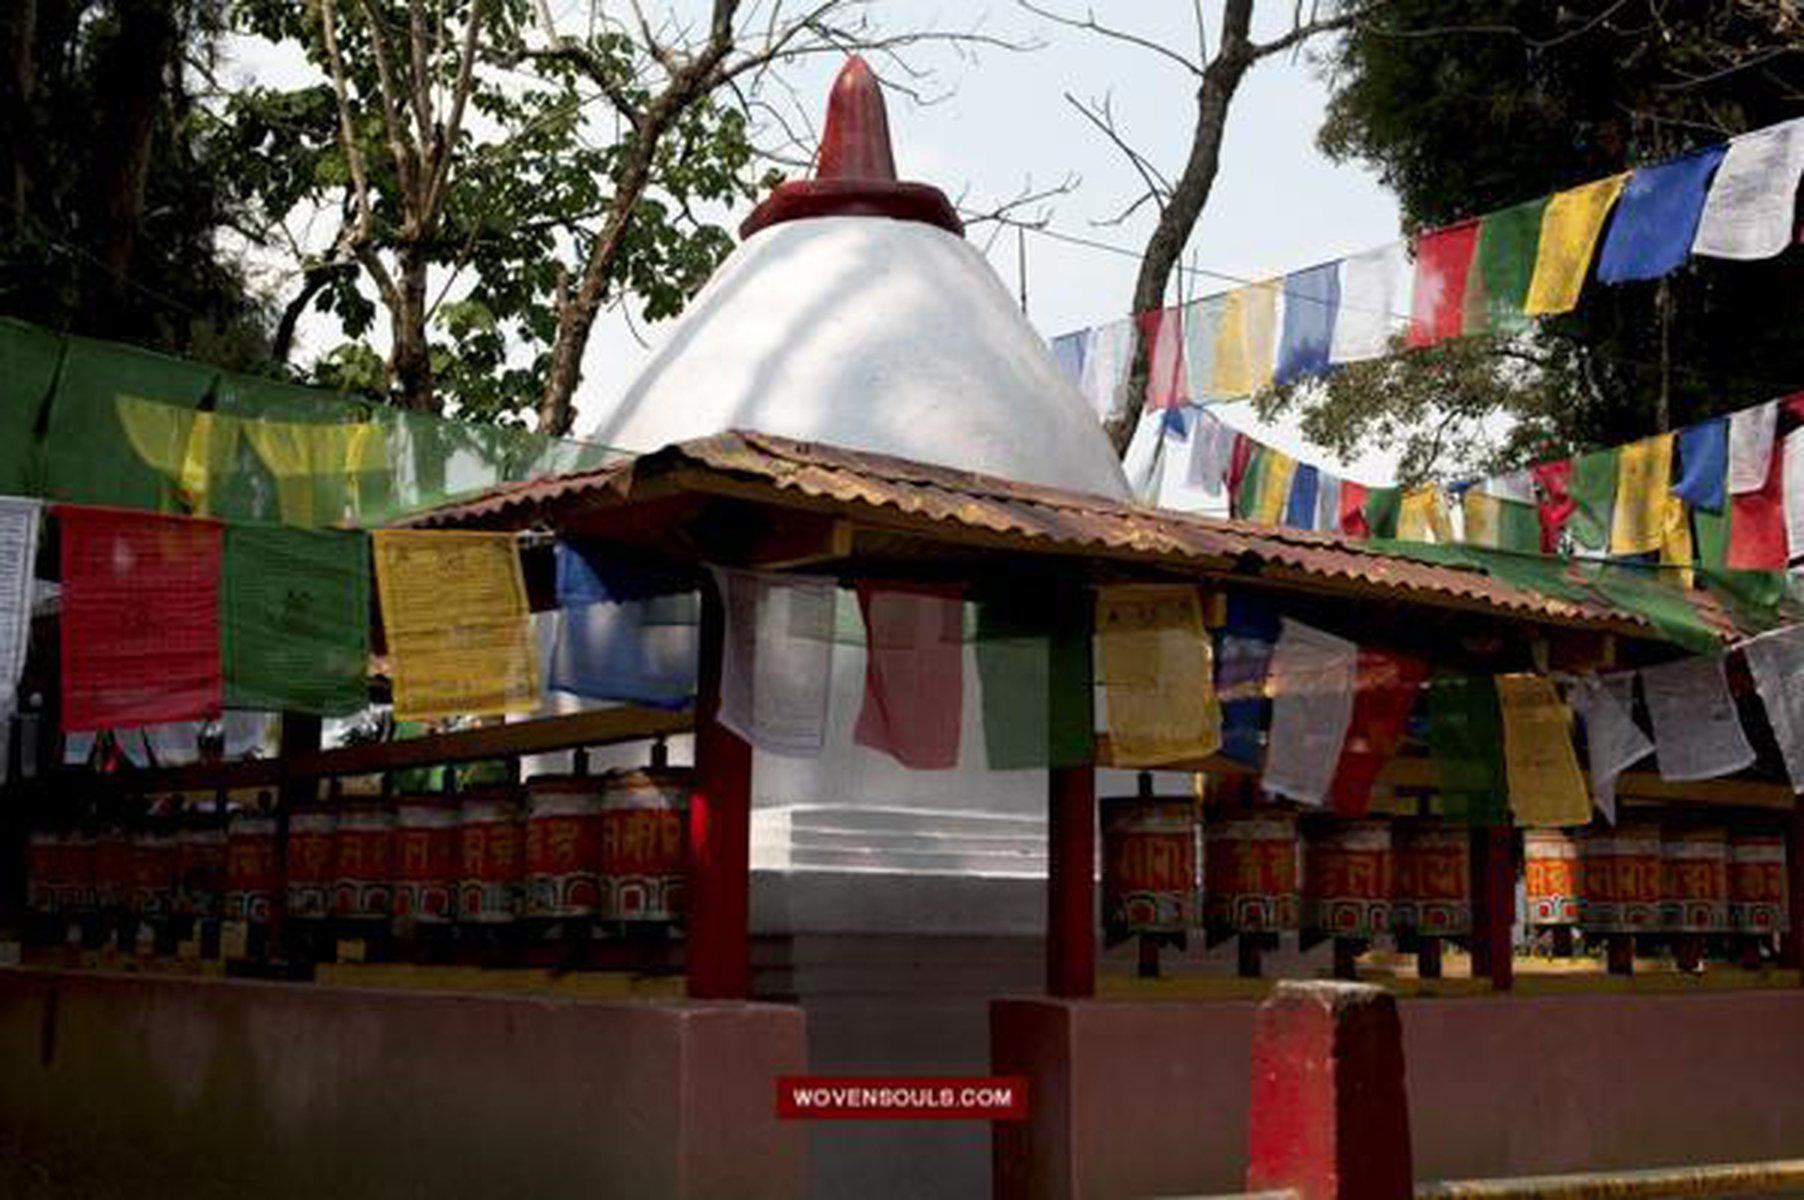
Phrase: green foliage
pixel 1467 106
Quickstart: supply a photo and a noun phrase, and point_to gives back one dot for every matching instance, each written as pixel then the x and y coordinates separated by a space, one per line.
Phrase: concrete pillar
pixel 1329 1119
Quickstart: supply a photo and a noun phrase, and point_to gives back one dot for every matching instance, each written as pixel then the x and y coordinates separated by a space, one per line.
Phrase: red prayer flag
pixel 1556 502
pixel 914 675
pixel 1353 509
pixel 1757 522
pixel 1384 694
pixel 1443 262
pixel 140 618
pixel 1162 332
pixel 1238 461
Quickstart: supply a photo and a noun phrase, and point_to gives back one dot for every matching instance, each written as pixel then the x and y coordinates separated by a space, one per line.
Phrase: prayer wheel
pixel 363 861
pixel 1694 880
pixel 1757 887
pixel 251 875
pixel 153 871
pixel 1621 879
pixel 1552 878
pixel 75 885
pixel 310 863
pixel 1433 894
pixel 426 858
pixel 200 862
pixel 1149 879
pixel 43 871
pixel 563 846
pixel 1251 870
pixel 1348 877
pixel 645 845
pixel 113 869
pixel 489 842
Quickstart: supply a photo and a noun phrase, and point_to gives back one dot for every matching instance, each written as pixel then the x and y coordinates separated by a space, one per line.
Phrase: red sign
pixel 902 1098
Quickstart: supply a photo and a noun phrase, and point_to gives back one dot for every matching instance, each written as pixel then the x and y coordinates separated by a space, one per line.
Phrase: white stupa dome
pixel 855 313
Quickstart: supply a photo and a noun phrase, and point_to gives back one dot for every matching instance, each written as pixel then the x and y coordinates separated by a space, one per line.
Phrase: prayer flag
pixel 1068 351
pixel 1512 485
pixel 1383 510
pixel 1311 686
pixel 1710 533
pixel 623 634
pixel 315 465
pixel 1299 511
pixel 1184 431
pixel 1675 541
pixel 455 616
pixel 776 659
pixel 1276 471
pixel 1035 676
pixel 191 450
pixel 1232 373
pixel 1211 453
pixel 1156 667
pixel 1422 516
pixel 1657 218
pixel 296 619
pixel 1751 434
pixel 1384 696
pixel 1162 332
pixel 1776 661
pixel 1106 362
pixel 1465 737
pixel 1556 505
pixel 1594 498
pixel 1240 461
pixel 1749 211
pixel 914 673
pixel 1502 267
pixel 140 618
pixel 1697 732
pixel 1757 540
pixel 18 561
pixel 1140 463
pixel 1352 515
pixel 1545 785
pixel 1369 311
pixel 1613 742
pixel 1327 503
pixel 1311 300
pixel 1202 333
pixel 1243 654
pixel 1261 332
pixel 1570 226
pixel 1481 511
pixel 1643 471
pixel 1703 464
pixel 1792 487
pixel 1443 261
pixel 1518 527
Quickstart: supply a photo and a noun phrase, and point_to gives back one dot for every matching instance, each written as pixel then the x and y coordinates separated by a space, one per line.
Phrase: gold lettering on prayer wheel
pixel 310 862
pixel 490 887
pixel 112 869
pixel 645 844
pixel 1621 879
pixel 251 878
pixel 153 871
pixel 427 853
pixel 363 862
pixel 1348 875
pixel 1694 892
pixel 1433 890
pixel 1149 865
pixel 564 831
pixel 1757 885
pixel 1251 870
pixel 200 854
pixel 1552 877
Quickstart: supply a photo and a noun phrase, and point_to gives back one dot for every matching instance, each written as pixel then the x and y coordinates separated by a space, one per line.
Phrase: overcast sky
pixel 1278 204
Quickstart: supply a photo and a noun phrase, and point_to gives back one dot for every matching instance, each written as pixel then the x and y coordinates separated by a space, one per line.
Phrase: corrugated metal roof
pixel 933 500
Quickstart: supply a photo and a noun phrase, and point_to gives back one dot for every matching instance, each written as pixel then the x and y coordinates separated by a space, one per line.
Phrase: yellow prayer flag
pixel 455 615
pixel 1570 225
pixel 1422 516
pixel 1643 472
pixel 1231 375
pixel 1261 334
pixel 1545 784
pixel 1675 542
pixel 1275 478
pixel 1156 665
pixel 1484 517
pixel 313 464
pixel 192 450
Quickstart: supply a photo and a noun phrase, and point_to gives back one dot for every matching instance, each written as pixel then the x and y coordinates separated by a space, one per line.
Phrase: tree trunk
pixel 281 343
pixel 410 358
pixel 18 74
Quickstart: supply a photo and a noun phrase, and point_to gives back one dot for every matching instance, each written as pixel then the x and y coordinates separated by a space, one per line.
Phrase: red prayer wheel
pixel 153 872
pixel 251 875
pixel 1622 873
pixel 1694 890
pixel 1251 870
pixel 1757 888
pixel 1348 877
pixel 44 871
pixel 1149 879
pixel 310 863
pixel 75 885
pixel 563 846
pixel 645 845
pixel 363 861
pixel 200 862
pixel 1433 894
pixel 426 858
pixel 489 836
pixel 113 869
pixel 1552 877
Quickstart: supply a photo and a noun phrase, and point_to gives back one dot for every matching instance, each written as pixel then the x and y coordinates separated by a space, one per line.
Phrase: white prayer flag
pixel 1370 308
pixel 1748 213
pixel 1141 462
pixel 1776 660
pixel 1311 683
pixel 1793 490
pixel 777 660
pixel 1751 446
pixel 1211 453
pixel 1613 742
pixel 1697 732
pixel 18 559
pixel 1184 429
pixel 1517 485
pixel 1106 365
pixel 1327 503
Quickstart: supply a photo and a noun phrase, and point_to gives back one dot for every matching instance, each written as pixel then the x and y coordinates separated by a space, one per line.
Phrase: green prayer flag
pixel 1246 500
pixel 1710 535
pixel 1660 598
pixel 1502 267
pixel 1465 738
pixel 1034 670
pixel 1594 497
pixel 1518 527
pixel 295 619
pixel 1382 507
pixel 31 357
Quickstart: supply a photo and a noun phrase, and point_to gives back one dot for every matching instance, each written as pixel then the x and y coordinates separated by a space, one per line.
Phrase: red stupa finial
pixel 855 169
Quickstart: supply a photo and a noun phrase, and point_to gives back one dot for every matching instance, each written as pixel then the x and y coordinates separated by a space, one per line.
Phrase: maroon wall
pixel 1151 1098
pixel 140 1086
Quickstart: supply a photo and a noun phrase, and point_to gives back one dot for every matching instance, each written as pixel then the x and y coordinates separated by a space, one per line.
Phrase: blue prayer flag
pixel 1704 464
pixel 623 634
pixel 1069 350
pixel 1299 512
pixel 1311 303
pixel 1657 217
pixel 1243 657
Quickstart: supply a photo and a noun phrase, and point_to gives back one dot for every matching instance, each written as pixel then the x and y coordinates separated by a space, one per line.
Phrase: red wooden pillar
pixel 1494 904
pixel 1071 846
pixel 720 833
